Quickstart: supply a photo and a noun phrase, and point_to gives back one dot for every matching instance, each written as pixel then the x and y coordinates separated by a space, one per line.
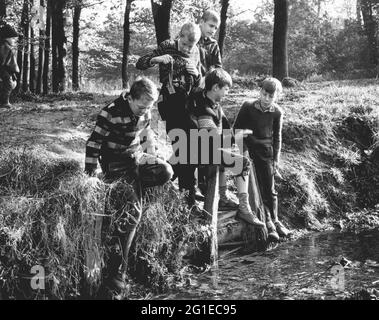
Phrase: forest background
pixel 89 44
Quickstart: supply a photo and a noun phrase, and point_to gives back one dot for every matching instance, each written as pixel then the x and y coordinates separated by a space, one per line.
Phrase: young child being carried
pixel 265 119
pixel 207 110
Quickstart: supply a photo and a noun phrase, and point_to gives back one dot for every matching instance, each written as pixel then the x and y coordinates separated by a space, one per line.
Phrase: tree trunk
pixel 32 70
pixel 21 47
pixel 223 17
pixel 3 10
pixel 279 54
pixel 370 27
pixel 75 45
pixel 161 15
pixel 26 34
pixel 126 51
pixel 59 42
pixel 359 13
pixel 45 76
pixel 41 53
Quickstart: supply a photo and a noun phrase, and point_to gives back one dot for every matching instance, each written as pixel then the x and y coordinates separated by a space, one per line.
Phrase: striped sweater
pixel 119 136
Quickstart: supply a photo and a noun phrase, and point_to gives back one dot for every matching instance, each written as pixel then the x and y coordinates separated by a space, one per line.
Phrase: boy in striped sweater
pixel 123 143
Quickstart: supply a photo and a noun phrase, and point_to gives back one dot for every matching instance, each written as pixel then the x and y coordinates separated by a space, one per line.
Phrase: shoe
pixel 118 285
pixel 227 203
pixel 199 196
pixel 272 233
pixel 281 229
pixel 250 218
pixel 198 213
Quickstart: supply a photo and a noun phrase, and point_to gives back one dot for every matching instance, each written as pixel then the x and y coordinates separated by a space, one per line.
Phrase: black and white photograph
pixel 213 152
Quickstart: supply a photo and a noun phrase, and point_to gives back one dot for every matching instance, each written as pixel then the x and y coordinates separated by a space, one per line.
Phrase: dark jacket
pixel 8 60
pixel 209 54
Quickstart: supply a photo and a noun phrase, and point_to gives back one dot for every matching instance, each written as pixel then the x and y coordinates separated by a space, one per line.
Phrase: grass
pixel 48 206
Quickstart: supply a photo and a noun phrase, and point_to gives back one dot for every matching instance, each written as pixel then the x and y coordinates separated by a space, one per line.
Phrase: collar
pixel 206 40
pixel 211 104
pixel 258 106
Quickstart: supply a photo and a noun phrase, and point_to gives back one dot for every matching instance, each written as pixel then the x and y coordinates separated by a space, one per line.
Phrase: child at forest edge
pixel 265 118
pixel 8 64
pixel 179 72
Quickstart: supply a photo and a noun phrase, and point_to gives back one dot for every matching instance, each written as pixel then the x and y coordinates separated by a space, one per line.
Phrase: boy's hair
pixel 210 15
pixel 272 85
pixel 217 76
pixel 190 30
pixel 143 87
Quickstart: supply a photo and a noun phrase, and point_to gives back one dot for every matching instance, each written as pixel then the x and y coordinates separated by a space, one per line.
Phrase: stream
pixel 327 265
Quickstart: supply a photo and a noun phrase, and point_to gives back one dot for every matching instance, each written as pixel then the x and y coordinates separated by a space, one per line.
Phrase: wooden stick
pixel 255 199
pixel 211 206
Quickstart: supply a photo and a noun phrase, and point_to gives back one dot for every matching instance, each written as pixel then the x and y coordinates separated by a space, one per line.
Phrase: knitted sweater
pixel 266 127
pixel 117 136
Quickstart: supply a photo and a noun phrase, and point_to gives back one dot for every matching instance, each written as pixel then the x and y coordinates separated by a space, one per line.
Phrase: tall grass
pixel 47 211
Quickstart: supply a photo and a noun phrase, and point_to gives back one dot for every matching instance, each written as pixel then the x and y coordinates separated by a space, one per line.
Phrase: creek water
pixel 327 265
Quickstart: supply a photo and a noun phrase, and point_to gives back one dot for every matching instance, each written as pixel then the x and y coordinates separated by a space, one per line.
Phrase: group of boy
pixel 193 84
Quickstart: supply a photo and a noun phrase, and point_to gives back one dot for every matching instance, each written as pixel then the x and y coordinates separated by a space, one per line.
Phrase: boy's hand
pixel 247 132
pixel 191 69
pixel 165 59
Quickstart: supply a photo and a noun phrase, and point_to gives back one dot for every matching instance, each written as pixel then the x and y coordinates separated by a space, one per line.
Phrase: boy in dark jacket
pixel 208 47
pixel 207 110
pixel 265 118
pixel 179 72
pixel 8 64
pixel 210 57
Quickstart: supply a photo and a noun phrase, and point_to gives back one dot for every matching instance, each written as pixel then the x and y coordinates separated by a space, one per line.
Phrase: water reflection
pixel 301 269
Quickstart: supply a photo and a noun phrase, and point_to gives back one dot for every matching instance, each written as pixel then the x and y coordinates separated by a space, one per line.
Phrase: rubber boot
pixel 272 233
pixel 126 227
pixel 226 202
pixel 116 279
pixel 280 228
